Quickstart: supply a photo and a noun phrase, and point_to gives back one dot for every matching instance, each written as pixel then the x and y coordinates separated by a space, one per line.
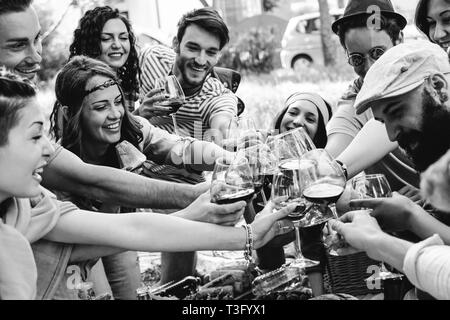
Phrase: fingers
pixel 280 214
pixel 283 227
pixel 365 203
pixel 348 217
pixel 227 209
pixel 336 225
pixel 154 92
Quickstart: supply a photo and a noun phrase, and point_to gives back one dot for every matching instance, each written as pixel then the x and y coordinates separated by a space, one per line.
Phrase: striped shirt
pixel 195 116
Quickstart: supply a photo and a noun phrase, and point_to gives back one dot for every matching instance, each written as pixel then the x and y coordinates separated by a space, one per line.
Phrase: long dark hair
pixel 87 39
pixel 321 138
pixel 15 93
pixel 421 17
pixel 70 89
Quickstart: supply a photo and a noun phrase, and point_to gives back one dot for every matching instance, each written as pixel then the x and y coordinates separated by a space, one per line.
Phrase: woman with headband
pixel 311 112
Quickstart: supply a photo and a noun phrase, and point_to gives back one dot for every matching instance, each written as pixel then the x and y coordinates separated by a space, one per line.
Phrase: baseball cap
pixel 400 70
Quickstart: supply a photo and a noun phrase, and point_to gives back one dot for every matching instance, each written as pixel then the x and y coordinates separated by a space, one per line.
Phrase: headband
pixel 106 84
pixel 315 99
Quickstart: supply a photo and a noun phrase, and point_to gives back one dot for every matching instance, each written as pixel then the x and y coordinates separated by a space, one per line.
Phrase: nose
pixel 116 112
pixel 368 64
pixel 116 43
pixel 47 148
pixel 201 58
pixel 299 121
pixel 35 53
pixel 439 32
pixel 392 132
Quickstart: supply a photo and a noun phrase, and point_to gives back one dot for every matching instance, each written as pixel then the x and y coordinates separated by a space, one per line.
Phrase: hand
pixel 268 224
pixel 148 109
pixel 359 229
pixel 204 210
pixel 201 188
pixel 435 184
pixel 393 214
pixel 343 204
pixel 413 194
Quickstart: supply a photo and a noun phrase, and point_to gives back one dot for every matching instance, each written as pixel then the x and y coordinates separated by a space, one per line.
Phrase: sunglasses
pixel 357 59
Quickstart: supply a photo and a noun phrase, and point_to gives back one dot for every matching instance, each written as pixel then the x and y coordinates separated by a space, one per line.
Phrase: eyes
pixel 24 44
pixel 195 48
pixel 309 117
pixel 118 102
pixel 109 38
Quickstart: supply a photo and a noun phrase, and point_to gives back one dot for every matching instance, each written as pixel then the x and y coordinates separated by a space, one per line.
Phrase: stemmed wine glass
pixel 286 190
pixel 291 144
pixel 238 129
pixel 323 181
pixel 374 186
pixel 175 100
pixel 232 181
pixel 259 159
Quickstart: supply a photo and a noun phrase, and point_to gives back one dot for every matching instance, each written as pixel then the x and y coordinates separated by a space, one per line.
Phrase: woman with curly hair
pixel 104 34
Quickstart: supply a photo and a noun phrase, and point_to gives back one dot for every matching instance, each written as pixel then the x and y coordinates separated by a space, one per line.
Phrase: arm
pixel 367 148
pixel 163 147
pixel 400 213
pixel 82 253
pixel 155 232
pixel 343 127
pixel 426 264
pixel 66 172
pixel 435 184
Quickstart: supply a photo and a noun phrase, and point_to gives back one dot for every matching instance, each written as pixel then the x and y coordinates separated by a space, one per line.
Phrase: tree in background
pixel 328 45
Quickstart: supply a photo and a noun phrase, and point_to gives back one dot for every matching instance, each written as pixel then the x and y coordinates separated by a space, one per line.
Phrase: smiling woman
pixel 104 34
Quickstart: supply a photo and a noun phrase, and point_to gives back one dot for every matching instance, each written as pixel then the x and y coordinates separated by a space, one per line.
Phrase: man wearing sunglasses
pixel 366 31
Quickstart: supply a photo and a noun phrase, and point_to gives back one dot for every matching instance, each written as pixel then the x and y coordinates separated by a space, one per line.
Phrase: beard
pixel 433 140
pixel 184 65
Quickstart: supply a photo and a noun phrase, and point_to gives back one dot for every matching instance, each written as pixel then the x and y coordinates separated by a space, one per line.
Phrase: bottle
pixel 268 282
pixel 181 289
pixel 85 291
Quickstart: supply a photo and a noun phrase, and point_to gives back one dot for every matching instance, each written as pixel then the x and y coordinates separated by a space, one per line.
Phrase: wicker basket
pixel 347 274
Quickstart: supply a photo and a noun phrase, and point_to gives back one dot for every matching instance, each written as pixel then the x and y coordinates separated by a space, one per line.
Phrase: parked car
pixel 301 44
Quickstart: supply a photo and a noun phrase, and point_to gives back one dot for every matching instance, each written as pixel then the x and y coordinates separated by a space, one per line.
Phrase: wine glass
pixel 262 163
pixel 232 181
pixel 286 190
pixel 323 181
pixel 175 100
pixel 290 145
pixel 238 129
pixel 374 186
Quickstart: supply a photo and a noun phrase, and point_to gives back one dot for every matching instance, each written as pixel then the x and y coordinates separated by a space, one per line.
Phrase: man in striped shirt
pixel 209 106
pixel 206 112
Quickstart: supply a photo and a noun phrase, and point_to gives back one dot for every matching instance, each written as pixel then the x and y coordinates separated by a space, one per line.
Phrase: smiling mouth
pixel 37 174
pixel 29 71
pixel 114 126
pixel 116 55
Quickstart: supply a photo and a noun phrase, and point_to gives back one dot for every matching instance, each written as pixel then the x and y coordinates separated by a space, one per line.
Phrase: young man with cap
pixel 408 90
pixel 366 31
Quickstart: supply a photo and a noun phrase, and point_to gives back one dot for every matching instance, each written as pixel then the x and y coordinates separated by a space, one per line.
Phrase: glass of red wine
pixel 323 182
pixel 232 181
pixel 286 190
pixel 175 100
